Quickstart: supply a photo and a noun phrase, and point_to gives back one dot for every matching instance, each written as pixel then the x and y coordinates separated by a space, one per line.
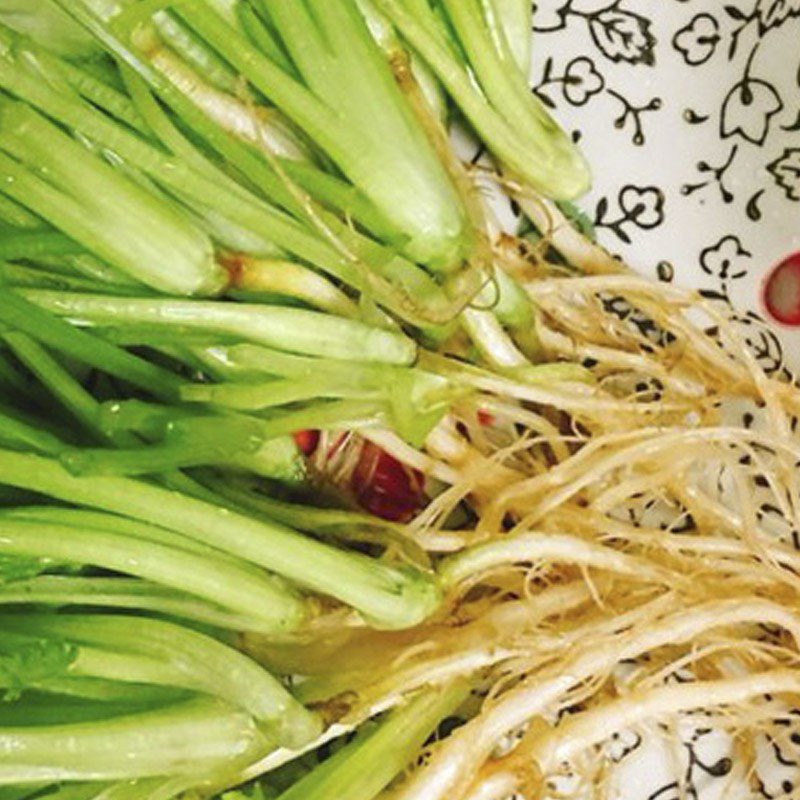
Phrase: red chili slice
pixel 781 292
pixel 336 445
pixel 307 441
pixel 385 487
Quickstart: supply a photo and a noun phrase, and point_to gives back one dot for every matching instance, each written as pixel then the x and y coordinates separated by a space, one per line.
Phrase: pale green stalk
pixel 17 314
pixel 133 595
pixel 515 18
pixel 363 768
pixel 387 596
pixel 102 209
pixel 237 587
pixel 351 106
pixel 294 330
pixel 177 740
pixel 140 650
pixel 492 93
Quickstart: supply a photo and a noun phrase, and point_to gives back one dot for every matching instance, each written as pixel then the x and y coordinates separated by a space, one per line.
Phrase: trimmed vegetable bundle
pixel 205 253
pixel 295 442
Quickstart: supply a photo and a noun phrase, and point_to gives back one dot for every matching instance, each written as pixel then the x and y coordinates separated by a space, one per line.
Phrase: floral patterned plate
pixel 689 111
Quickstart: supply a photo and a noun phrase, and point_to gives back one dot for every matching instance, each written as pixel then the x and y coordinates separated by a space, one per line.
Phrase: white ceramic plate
pixel 689 112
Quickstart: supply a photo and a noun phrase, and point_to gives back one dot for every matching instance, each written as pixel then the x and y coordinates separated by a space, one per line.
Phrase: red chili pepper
pixel 385 487
pixel 336 445
pixel 307 441
pixel 781 292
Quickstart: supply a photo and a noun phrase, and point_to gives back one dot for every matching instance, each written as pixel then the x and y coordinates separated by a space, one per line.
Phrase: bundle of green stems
pixel 229 228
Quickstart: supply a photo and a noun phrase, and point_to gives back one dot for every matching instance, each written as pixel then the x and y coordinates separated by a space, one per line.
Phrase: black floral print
pixel 622 35
pixel 733 166
pixel 633 114
pixel 772 13
pixel 697 42
pixel 640 206
pixel 786 171
pixel 748 110
pixel 741 122
pixel 579 82
pixel 713 175
pixel 726 259
pixel 622 744
pixel 643 206
pixel 763 342
pixel 619 34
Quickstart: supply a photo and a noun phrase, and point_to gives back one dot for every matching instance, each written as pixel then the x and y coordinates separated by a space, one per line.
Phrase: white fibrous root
pixel 668 489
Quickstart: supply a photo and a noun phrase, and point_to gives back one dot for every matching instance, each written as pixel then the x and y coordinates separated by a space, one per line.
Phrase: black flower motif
pixel 697 42
pixel 713 175
pixel 772 13
pixel 581 81
pixel 623 36
pixel 786 171
pixel 725 258
pixel 748 110
pixel 650 330
pixel 643 206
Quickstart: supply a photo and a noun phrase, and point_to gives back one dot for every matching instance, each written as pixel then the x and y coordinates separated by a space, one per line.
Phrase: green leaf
pixel 34 662
pixel 15 568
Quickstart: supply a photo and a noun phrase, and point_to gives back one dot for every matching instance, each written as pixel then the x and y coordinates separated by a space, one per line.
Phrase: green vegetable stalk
pixel 473 58
pixel 387 596
pixel 292 329
pixel 223 582
pixel 100 208
pixel 348 103
pixel 363 768
pixel 131 594
pixel 45 22
pixel 140 650
pixel 231 212
pixel 170 741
